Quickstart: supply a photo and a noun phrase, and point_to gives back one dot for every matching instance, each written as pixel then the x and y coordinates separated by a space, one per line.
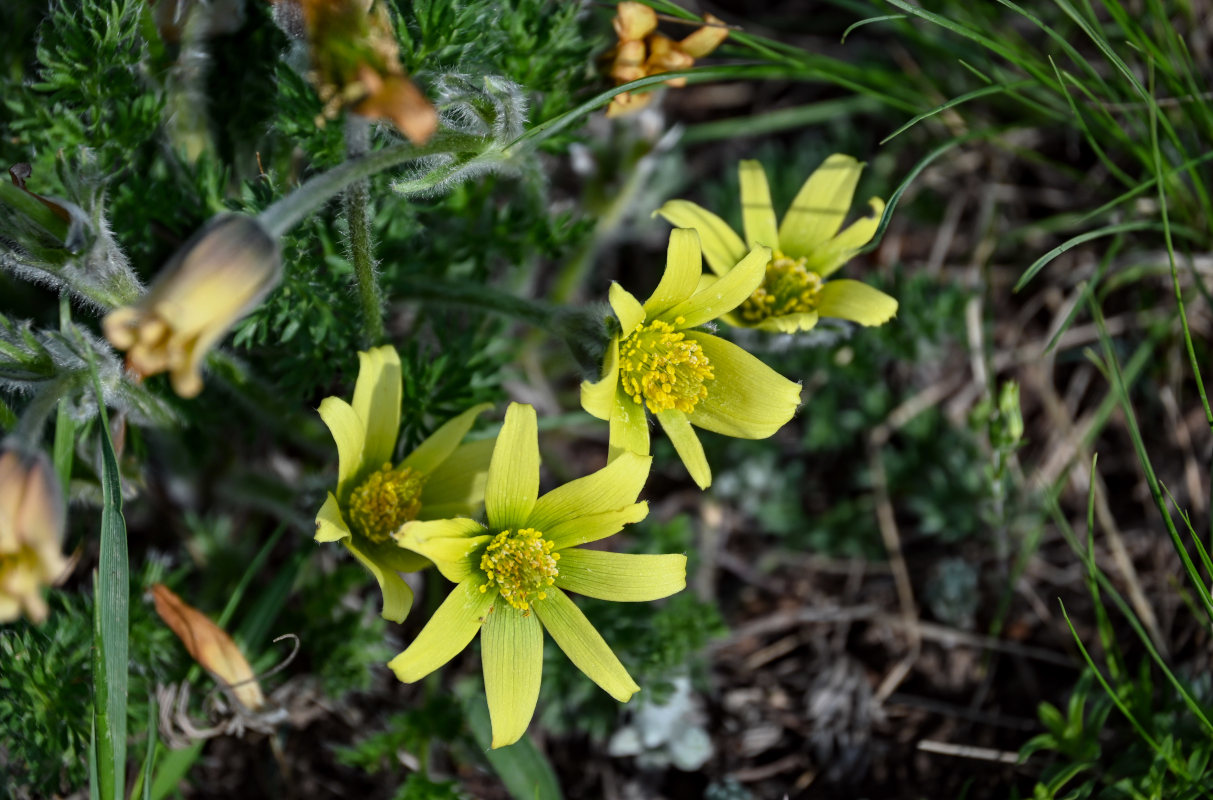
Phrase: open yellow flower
pixel 31 534
pixel 682 375
pixel 376 495
pixel 523 562
pixel 216 278
pixel 807 248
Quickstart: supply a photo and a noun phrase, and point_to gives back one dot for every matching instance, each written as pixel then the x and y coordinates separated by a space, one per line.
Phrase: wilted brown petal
pixel 210 646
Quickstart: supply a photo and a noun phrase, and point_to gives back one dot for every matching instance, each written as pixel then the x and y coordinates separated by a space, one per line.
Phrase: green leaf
pixel 112 624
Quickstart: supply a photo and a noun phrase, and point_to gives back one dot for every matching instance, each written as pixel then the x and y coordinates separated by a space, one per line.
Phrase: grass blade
pixel 111 622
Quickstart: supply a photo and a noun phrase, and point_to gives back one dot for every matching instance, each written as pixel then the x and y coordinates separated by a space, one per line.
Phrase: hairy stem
pixel 357 201
pixel 316 192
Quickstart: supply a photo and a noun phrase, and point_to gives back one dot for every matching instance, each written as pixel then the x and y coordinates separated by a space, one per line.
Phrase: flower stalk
pixel 289 211
pixel 357 202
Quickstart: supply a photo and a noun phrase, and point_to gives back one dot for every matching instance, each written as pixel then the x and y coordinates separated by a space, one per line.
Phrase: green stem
pixel 357 201
pixel 296 206
pixel 65 425
pixel 482 298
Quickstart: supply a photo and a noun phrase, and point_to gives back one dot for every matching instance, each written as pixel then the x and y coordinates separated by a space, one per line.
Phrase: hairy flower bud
pixel 221 274
pixel 31 534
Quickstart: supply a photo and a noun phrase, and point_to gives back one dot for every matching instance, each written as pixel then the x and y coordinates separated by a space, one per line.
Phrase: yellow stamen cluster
pixel 387 499
pixel 788 288
pixel 660 367
pixel 520 565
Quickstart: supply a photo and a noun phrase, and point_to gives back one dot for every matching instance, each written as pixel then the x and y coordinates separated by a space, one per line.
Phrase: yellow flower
pixel 523 562
pixel 220 275
pixel 806 249
pixel 642 51
pixel 375 494
pixel 31 533
pixel 682 375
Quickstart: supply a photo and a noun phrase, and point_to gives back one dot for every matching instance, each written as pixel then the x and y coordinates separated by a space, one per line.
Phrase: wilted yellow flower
pixel 375 494
pixel 806 248
pixel 684 376
pixel 642 52
pixel 31 533
pixel 356 62
pixel 210 646
pixel 220 274
pixel 524 561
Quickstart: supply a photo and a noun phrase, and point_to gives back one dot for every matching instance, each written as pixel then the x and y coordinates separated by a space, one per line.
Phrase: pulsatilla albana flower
pixel 376 495
pixel 642 52
pixel 220 275
pixel 355 62
pixel 512 576
pixel 31 534
pixel 685 376
pixel 807 248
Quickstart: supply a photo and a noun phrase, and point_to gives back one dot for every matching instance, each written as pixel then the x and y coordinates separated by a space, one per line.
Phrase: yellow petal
pixel 826 260
pixel 634 20
pixel 757 213
pixel 454 545
pixel 609 489
pixel 584 646
pixel 430 454
pixel 209 645
pixel 621 577
pixel 820 206
pixel 598 398
pixel 513 482
pixel 629 428
pixel 683 266
pixel 450 630
pixel 591 528
pixel 456 488
pixel 397 596
pixel 377 402
pixel 512 656
pixel 350 436
pixel 721 246
pixel 748 399
pixel 703 41
pixel 723 295
pixel 858 302
pixel 789 323
pixel 687 443
pixel 627 308
pixel 330 525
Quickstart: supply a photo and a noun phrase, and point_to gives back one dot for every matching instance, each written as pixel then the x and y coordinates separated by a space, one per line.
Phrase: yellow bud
pixel 31 534
pixel 220 275
pixel 634 21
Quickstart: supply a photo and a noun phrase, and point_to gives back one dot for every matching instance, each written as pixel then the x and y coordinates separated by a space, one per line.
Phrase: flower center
pixel 520 565
pixel 662 368
pixel 788 288
pixel 387 499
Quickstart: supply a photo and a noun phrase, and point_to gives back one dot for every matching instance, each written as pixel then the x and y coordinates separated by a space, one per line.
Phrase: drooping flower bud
pixel 31 534
pixel 355 63
pixel 220 275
